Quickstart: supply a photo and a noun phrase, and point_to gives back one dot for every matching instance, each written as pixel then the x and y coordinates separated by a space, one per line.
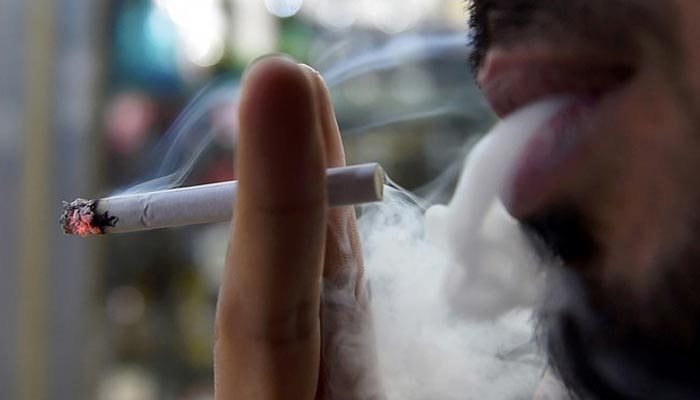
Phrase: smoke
pixel 395 53
pixel 477 232
pixel 424 351
pixel 453 289
pixel 186 142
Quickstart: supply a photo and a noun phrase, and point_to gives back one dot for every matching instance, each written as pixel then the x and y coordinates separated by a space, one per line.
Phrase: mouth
pixel 514 78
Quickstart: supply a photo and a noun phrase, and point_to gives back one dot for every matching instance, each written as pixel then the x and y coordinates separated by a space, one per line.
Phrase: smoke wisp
pixel 185 143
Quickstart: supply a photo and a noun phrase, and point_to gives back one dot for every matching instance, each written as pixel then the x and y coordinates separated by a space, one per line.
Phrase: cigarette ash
pixel 80 217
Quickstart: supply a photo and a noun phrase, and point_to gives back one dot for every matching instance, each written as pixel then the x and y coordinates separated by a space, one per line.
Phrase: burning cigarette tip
pixel 80 217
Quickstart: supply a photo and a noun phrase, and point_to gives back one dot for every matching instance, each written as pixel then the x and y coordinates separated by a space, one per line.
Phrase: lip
pixel 553 154
pixel 512 79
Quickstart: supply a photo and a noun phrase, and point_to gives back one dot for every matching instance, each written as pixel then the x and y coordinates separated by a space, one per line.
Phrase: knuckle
pixel 283 328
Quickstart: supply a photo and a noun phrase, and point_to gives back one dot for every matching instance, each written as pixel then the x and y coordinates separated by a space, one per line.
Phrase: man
pixel 614 195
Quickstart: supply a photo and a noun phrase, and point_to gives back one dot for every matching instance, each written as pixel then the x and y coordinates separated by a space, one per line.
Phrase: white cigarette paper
pixel 208 203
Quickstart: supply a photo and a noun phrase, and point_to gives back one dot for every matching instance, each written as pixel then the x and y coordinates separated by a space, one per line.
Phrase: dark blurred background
pixel 87 91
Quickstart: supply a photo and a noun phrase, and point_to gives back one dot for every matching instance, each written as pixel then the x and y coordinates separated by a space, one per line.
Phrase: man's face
pixel 612 183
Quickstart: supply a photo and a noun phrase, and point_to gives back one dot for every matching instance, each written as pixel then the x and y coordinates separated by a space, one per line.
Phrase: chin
pixel 617 340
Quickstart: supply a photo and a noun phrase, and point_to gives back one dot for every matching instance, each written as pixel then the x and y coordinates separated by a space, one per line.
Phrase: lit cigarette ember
pixel 201 204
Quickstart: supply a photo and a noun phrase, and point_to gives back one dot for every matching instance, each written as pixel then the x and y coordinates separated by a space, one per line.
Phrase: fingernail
pixel 312 75
pixel 309 68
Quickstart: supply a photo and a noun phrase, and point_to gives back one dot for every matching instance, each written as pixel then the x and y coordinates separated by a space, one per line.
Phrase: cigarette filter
pixel 201 204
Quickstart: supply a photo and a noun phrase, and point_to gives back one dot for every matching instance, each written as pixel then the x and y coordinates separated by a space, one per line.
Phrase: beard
pixel 622 315
pixel 617 341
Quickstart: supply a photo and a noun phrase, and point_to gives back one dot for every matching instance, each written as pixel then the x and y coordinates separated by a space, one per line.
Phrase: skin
pixel 286 245
pixel 635 196
pixel 626 310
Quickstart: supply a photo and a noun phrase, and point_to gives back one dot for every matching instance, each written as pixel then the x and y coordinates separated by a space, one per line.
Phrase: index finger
pixel 268 333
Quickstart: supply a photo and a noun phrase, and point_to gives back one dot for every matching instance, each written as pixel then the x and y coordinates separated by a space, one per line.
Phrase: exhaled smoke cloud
pixel 424 351
pixel 490 250
pixel 452 304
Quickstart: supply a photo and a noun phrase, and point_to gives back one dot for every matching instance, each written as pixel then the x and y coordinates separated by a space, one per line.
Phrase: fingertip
pixel 262 60
pixel 274 76
pixel 280 147
pixel 333 143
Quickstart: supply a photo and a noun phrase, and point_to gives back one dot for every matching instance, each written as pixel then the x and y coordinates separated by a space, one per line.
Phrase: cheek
pixel 639 140
pixel 640 185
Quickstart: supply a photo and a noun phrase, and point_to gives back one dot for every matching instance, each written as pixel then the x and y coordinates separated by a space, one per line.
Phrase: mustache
pixel 611 25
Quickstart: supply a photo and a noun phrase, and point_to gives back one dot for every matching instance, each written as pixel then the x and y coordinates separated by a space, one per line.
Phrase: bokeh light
pixel 283 8
pixel 201 29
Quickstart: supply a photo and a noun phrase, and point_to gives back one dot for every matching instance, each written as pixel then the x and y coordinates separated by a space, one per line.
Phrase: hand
pixel 292 319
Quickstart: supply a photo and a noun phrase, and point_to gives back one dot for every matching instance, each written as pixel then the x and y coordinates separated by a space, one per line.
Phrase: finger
pixel 268 314
pixel 343 265
pixel 332 139
pixel 348 359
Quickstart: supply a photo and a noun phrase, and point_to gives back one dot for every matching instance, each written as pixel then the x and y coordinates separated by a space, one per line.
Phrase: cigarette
pixel 202 204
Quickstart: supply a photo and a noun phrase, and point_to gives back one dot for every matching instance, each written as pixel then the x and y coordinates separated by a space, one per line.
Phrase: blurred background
pixel 88 90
